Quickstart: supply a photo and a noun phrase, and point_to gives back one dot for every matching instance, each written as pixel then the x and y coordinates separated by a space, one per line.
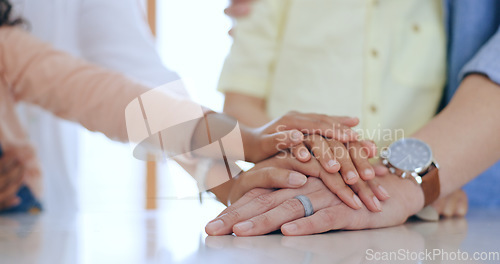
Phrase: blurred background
pixel 193 41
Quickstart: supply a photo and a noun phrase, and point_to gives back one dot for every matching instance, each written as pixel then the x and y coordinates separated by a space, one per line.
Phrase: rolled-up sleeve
pixel 486 61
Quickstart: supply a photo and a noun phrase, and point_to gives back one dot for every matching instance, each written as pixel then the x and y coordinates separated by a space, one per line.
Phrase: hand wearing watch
pixel 411 158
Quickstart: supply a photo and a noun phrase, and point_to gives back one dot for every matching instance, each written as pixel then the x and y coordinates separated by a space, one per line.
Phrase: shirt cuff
pixel 486 61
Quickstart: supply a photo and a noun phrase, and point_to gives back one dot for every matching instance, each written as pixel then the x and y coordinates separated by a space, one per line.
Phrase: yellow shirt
pixel 380 60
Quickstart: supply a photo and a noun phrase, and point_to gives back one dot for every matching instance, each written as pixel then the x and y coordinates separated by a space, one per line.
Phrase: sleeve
pixel 249 65
pixel 486 61
pixel 68 87
pixel 115 35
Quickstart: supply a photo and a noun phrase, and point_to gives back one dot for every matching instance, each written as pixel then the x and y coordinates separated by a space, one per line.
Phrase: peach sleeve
pixel 68 87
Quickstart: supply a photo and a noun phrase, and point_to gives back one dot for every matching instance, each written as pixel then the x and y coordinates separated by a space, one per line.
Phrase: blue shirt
pixel 474 47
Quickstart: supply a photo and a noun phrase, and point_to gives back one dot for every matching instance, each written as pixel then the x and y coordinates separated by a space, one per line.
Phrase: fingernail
pixel 383 191
pixel 357 201
pixel 289 228
pixel 332 163
pixel 296 179
pixel 214 226
pixel 377 203
pixel 303 153
pixel 244 226
pixel 297 136
pixel 369 173
pixel 350 175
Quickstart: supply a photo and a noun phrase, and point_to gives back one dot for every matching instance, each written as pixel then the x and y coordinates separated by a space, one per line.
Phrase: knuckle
pixel 263 220
pixel 293 205
pixel 326 217
pixel 231 216
pixel 265 200
pixel 254 193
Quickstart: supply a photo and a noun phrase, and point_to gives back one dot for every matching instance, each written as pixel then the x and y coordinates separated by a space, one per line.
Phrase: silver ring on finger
pixel 308 207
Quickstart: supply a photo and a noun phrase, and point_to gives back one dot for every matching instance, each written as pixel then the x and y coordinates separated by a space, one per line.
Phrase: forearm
pixel 464 136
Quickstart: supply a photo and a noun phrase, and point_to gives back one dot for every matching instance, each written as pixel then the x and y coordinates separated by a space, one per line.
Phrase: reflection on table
pixel 177 236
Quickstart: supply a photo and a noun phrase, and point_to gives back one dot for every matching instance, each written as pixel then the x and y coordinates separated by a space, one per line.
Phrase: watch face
pixel 410 154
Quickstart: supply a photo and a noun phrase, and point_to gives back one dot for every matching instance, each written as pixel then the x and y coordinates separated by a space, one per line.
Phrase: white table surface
pixel 177 236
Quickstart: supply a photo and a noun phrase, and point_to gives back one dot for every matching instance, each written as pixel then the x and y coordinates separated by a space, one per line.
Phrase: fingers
pixel 347 168
pixel 322 152
pixel 289 210
pixel 453 205
pixel 370 147
pixel 360 155
pixel 380 170
pixel 301 152
pixel 366 195
pixel 282 140
pixel 223 224
pixel 318 124
pixel 380 192
pixel 336 185
pixel 324 220
pixel 247 197
pixel 267 178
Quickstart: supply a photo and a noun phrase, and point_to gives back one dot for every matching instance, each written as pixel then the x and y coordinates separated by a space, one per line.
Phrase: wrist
pixel 249 138
pixel 414 197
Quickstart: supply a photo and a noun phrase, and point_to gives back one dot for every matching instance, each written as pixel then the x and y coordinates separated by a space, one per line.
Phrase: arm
pixel 68 87
pixel 470 148
pixel 239 105
pixel 464 136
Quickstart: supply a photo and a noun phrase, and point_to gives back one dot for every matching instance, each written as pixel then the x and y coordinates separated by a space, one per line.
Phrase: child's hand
pixel 351 160
pixel 288 131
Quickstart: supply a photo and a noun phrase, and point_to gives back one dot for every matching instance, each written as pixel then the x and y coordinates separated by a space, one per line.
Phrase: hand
pixel 352 159
pixel 453 205
pixel 11 180
pixel 238 8
pixel 264 174
pixel 288 131
pixel 261 211
pixel 284 171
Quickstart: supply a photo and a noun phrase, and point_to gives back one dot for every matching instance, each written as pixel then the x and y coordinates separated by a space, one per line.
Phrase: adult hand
pixel 284 171
pixel 289 130
pixel 262 211
pixel 11 180
pixel 453 205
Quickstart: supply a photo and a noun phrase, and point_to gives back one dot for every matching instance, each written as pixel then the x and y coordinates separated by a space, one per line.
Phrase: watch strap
pixel 430 185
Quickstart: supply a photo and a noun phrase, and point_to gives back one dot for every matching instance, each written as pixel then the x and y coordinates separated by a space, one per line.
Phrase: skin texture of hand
pixel 261 211
pixel 453 205
pixel 288 131
pixel 284 171
pixel 11 180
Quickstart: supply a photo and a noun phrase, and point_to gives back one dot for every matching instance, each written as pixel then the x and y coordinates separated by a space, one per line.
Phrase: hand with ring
pixel 261 211
pixel 264 198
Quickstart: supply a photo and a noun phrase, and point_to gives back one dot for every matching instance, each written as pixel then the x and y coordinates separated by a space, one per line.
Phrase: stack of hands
pixel 320 157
